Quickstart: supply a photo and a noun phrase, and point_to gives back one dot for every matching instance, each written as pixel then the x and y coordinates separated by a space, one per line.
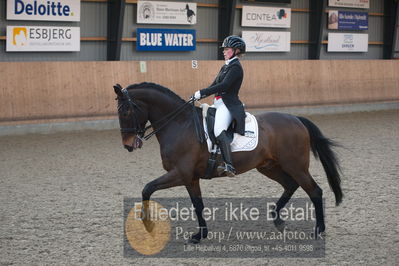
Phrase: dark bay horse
pixel 282 154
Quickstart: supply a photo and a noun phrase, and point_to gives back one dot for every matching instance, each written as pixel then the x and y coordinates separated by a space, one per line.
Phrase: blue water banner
pixel 347 20
pixel 165 40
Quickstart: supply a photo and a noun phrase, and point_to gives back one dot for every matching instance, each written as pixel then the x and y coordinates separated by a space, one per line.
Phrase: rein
pixel 165 120
pixel 169 117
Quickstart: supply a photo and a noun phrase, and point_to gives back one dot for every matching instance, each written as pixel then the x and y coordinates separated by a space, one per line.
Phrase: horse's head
pixel 132 119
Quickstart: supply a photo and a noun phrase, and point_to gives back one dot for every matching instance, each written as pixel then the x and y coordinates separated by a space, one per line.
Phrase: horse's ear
pixel 118 90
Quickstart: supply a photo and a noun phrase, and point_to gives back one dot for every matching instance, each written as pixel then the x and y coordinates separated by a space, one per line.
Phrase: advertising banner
pixel 350 3
pixel 347 20
pixel 269 1
pixel 42 39
pixel 60 10
pixel 165 40
pixel 347 42
pixel 259 16
pixel 153 12
pixel 267 41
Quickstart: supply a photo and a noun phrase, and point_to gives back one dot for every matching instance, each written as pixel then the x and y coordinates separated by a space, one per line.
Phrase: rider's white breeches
pixel 223 117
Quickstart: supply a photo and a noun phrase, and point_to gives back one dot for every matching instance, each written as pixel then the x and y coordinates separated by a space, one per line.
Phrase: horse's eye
pixel 125 112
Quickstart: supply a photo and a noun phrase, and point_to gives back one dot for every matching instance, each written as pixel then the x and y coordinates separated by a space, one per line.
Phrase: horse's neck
pixel 168 126
pixel 158 112
pixel 160 108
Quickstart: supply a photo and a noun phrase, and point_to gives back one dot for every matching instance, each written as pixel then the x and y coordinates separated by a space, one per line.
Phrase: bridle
pixel 138 129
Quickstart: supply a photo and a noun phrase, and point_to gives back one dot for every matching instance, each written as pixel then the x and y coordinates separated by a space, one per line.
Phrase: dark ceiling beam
pixel 390 28
pixel 116 12
pixel 317 20
pixel 226 17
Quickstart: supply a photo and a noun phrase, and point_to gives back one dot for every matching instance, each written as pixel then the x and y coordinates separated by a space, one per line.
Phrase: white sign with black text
pixel 350 3
pixel 259 16
pixel 348 42
pixel 155 12
pixel 43 39
pixel 267 41
pixel 49 10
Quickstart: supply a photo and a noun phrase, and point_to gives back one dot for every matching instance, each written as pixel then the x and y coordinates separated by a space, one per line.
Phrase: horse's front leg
pixel 194 191
pixel 170 179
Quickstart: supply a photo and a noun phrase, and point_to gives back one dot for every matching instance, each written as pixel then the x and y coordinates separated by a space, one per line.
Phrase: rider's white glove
pixel 197 95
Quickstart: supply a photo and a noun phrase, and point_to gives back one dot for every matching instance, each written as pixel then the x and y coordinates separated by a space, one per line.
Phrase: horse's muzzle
pixel 129 148
pixel 132 144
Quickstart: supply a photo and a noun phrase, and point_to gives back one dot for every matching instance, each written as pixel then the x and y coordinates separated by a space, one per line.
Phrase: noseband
pixel 137 129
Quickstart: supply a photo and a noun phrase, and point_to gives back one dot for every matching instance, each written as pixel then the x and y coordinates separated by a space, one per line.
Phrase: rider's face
pixel 228 53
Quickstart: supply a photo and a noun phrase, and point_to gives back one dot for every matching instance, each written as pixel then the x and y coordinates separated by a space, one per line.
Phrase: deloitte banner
pixel 165 40
pixel 60 10
pixel 42 39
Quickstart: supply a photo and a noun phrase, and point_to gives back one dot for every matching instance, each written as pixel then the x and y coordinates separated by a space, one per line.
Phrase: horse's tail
pixel 321 148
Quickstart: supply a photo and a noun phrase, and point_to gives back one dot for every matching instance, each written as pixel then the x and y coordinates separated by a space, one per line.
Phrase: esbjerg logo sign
pixel 40 38
pixel 52 10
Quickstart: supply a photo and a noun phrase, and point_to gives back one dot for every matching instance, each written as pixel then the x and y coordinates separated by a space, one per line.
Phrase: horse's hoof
pixel 149 225
pixel 193 241
pixel 320 232
pixel 321 229
pixel 322 235
pixel 279 224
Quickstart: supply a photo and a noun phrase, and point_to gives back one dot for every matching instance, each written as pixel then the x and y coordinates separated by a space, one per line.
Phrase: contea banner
pixel 347 20
pixel 267 41
pixel 42 39
pixel 154 12
pixel 51 10
pixel 347 42
pixel 165 40
pixel 259 16
pixel 350 3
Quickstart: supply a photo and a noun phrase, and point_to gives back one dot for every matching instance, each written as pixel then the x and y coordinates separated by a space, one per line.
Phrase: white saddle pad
pixel 248 142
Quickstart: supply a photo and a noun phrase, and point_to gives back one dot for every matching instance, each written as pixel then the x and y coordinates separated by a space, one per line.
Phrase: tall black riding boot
pixel 224 145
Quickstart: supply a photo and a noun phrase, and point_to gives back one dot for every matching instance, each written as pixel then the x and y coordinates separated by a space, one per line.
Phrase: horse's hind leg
pixel 289 185
pixel 307 183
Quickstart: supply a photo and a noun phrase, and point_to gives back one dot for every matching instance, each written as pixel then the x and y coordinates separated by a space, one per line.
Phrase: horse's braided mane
pixel 149 85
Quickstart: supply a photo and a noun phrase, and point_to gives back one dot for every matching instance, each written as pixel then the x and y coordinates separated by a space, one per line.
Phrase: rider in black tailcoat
pixel 229 108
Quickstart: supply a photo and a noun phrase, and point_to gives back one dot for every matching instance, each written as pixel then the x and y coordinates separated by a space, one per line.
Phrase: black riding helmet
pixel 234 42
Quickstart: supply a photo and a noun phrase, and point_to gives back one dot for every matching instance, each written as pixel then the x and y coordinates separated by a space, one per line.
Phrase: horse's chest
pixel 168 159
